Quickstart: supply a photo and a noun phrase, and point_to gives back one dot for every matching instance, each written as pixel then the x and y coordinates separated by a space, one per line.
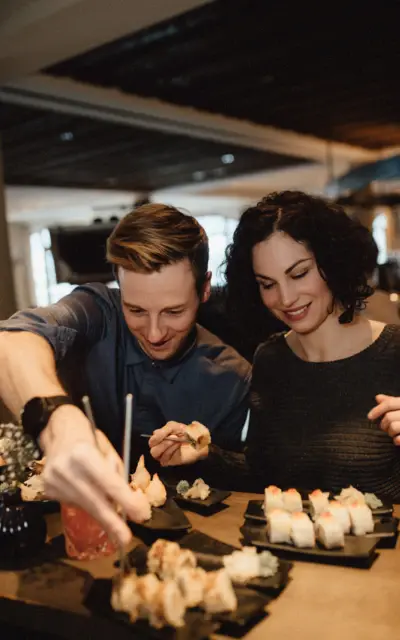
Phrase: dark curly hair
pixel 344 250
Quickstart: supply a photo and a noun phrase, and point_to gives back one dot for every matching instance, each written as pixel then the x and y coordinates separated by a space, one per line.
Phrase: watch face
pixel 35 413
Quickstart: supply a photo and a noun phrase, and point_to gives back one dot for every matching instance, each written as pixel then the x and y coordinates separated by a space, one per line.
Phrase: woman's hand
pixel 172 454
pixel 388 409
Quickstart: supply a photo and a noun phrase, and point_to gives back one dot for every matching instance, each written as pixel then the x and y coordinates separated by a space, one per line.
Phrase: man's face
pixel 160 308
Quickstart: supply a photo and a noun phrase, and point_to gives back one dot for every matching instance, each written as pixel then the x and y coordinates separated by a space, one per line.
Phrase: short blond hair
pixel 155 235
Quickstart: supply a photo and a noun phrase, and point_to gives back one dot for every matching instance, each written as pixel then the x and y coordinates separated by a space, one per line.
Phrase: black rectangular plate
pixel 251 603
pixel 197 626
pixel 385 526
pixel 169 517
pixel 217 496
pixel 356 548
pixel 208 551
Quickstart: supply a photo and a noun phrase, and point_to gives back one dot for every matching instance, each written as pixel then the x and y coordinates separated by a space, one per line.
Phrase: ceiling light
pixel 66 136
pixel 227 158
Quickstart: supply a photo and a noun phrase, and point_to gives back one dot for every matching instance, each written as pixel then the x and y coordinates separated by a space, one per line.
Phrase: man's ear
pixel 206 288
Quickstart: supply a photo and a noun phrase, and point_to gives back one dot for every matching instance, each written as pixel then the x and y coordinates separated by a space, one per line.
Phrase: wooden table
pixel 321 601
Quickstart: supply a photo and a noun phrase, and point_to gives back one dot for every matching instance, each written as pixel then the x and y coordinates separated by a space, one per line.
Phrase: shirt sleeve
pixel 78 316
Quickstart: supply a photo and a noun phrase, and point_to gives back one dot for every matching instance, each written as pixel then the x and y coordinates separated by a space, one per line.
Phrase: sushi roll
pixel 292 500
pixel 279 526
pixel 272 499
pixel 329 531
pixel 199 491
pixel 219 595
pixel 361 519
pixel 166 559
pixel 341 513
pixel 319 502
pixel 167 607
pixel 302 532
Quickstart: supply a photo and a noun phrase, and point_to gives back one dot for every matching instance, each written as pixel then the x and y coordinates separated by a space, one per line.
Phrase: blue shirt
pixel 96 354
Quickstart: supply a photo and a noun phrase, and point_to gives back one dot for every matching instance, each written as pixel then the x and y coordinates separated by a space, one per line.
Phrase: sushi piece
pixel 329 531
pixel 341 513
pixel 319 501
pixel 200 434
pixel 302 532
pixel 141 478
pixel 156 492
pixel 144 501
pixel 167 606
pixel 279 526
pixel 361 519
pixel 166 559
pixel 350 495
pixel 272 499
pixel 219 595
pixel 198 491
pixel 191 582
pixel 125 597
pixel 292 500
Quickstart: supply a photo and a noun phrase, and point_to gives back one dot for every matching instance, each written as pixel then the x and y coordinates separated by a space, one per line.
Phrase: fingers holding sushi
pixel 173 454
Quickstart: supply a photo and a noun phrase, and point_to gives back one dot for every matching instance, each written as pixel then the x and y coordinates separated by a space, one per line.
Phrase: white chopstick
pixel 126 458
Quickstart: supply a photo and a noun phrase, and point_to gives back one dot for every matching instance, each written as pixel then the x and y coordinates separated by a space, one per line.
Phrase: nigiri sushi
pixel 329 531
pixel 272 498
pixel 292 500
pixel 302 532
pixel 319 501
pixel 219 595
pixel 361 518
pixel 141 478
pixel 191 582
pixel 156 492
pixel 278 526
pixel 341 513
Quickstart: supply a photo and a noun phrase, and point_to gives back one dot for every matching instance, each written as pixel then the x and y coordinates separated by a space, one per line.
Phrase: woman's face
pixel 290 284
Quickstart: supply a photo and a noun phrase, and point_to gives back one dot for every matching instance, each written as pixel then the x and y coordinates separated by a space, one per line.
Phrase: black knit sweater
pixel 309 427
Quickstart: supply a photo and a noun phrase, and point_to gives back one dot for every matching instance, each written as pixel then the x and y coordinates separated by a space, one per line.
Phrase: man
pixel 140 339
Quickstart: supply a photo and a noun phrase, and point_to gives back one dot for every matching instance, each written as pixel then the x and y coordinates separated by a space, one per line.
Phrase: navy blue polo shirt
pixel 96 354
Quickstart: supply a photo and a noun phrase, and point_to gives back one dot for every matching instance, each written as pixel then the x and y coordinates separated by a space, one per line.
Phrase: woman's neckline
pixel 377 345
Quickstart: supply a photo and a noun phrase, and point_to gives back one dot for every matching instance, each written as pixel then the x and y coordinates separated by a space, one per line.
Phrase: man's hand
pixel 170 454
pixel 388 409
pixel 77 473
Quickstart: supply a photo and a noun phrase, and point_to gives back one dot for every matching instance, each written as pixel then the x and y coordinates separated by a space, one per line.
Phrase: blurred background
pixel 206 105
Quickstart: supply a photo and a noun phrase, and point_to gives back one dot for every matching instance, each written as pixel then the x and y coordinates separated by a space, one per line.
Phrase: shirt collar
pixel 169 368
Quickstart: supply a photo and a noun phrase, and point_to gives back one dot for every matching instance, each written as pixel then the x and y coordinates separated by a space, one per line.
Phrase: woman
pixel 325 400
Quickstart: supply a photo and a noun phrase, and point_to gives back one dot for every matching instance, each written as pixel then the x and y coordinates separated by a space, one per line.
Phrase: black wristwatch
pixel 37 412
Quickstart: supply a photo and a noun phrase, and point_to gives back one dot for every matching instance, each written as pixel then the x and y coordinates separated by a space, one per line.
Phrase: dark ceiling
pixel 327 69
pixel 49 149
